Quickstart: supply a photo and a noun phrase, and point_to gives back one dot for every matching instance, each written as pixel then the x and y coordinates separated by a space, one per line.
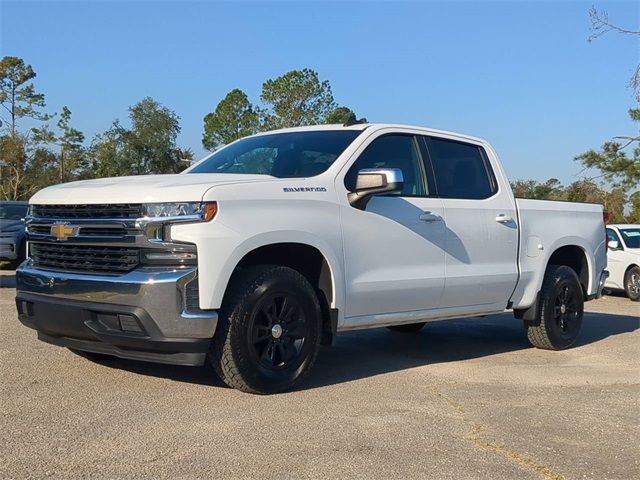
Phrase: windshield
pixel 13 212
pixel 630 237
pixel 282 155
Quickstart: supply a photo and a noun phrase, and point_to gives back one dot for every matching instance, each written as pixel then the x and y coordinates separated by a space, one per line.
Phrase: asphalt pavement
pixel 462 399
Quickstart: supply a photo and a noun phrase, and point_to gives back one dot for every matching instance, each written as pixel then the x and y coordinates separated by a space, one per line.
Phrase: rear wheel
pixel 408 327
pixel 269 330
pixel 632 283
pixel 560 310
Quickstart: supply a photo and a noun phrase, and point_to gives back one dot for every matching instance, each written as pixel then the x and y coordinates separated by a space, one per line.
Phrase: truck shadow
pixel 369 353
pixel 374 352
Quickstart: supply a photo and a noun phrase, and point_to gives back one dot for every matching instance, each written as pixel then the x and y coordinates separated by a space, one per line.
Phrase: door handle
pixel 502 218
pixel 429 217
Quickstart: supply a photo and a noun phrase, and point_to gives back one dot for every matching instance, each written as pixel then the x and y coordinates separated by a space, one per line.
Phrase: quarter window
pixel 461 170
pixel 392 151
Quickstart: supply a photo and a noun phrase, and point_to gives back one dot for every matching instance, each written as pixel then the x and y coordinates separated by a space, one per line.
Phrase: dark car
pixel 12 237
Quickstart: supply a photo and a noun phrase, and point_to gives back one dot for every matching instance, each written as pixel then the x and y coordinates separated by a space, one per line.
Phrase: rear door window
pixel 461 170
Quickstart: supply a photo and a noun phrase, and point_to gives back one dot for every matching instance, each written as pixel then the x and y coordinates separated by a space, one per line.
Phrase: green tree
pixel 634 214
pixel 69 141
pixel 616 165
pixel 38 167
pixel 152 138
pixel 107 153
pixel 297 98
pixel 19 100
pixel 342 115
pixel 234 117
pixel 148 147
pixel 17 95
pixel 552 189
pixel 588 191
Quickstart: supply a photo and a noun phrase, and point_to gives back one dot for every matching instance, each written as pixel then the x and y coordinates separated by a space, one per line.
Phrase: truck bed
pixel 546 226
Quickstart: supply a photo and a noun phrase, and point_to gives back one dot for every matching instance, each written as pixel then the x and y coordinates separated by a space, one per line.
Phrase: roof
pixel 377 126
pixel 624 225
pixel 14 202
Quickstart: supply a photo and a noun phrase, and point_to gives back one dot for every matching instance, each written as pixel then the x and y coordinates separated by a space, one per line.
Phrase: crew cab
pixel 271 246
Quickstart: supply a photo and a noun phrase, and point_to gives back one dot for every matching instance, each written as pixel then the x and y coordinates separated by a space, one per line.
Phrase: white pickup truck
pixel 266 249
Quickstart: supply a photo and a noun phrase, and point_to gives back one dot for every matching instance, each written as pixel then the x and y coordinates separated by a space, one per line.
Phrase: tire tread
pixel 537 331
pixel 222 352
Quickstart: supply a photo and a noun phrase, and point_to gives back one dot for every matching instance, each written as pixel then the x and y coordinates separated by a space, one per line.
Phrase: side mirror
pixel 375 181
pixel 613 245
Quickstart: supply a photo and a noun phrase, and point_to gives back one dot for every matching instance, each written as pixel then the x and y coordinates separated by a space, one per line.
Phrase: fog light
pixel 171 256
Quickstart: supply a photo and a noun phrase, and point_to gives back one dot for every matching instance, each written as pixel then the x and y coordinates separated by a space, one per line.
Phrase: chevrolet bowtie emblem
pixel 62 231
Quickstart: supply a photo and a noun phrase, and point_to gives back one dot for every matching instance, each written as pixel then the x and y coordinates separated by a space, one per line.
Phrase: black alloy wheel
pixel 278 331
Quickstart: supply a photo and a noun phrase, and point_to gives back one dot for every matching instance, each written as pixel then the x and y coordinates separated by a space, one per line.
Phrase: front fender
pixel 221 249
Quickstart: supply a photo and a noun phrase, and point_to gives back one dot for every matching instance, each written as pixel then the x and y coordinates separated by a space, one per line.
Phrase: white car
pixel 272 245
pixel 623 259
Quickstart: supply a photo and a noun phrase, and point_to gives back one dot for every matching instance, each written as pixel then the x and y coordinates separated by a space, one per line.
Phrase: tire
pixel 94 357
pixel 269 330
pixel 408 327
pixel 560 310
pixel 632 284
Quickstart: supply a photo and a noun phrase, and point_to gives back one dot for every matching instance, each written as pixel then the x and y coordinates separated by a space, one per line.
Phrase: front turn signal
pixel 209 211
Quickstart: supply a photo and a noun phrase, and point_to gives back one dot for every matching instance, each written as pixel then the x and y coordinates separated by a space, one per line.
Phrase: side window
pixel 392 151
pixel 461 170
pixel 612 236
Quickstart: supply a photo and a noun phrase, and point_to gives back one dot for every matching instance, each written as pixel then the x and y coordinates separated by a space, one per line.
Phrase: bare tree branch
pixel 634 83
pixel 629 140
pixel 600 25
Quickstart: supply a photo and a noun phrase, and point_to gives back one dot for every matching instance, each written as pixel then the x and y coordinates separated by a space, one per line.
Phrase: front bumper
pixel 141 315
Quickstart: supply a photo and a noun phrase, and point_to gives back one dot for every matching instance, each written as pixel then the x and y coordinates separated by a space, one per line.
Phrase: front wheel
pixel 632 284
pixel 560 310
pixel 269 330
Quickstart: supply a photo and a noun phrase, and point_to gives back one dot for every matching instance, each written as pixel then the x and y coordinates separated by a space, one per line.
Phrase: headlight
pixel 181 211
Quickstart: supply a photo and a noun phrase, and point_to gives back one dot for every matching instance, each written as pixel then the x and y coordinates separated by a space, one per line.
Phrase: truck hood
pixel 140 189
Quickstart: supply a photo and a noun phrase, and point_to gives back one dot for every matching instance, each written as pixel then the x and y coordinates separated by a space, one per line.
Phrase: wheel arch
pixel 575 257
pixel 569 253
pixel 304 253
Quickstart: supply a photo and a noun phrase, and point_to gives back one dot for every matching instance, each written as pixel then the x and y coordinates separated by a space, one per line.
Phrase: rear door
pixel 481 231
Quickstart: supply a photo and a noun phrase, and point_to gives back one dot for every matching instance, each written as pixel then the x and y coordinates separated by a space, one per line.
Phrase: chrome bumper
pixel 159 291
pixel 603 278
pixel 140 315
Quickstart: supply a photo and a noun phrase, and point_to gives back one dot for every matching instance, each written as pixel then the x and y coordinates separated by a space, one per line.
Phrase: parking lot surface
pixel 461 399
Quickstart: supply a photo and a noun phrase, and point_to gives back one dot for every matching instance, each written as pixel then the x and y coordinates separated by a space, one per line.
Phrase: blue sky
pixel 520 74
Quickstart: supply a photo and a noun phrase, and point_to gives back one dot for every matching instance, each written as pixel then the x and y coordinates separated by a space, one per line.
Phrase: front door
pixel 394 248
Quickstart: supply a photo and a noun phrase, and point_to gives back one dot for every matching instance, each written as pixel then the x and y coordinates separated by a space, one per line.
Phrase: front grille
pixel 83 231
pixel 124 210
pixel 82 258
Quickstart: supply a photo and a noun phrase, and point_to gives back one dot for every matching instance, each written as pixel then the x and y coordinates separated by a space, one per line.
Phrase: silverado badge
pixel 62 231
